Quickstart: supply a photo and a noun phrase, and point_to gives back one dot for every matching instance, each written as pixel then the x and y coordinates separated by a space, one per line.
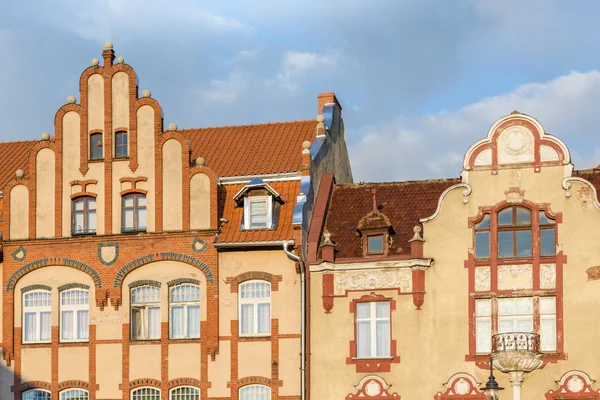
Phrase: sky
pixel 419 81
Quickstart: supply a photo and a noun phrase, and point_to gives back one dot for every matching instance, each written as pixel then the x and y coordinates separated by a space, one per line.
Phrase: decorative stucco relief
pixel 373 280
pixel 547 276
pixel 483 158
pixel 482 279
pixel 547 153
pixel 515 277
pixel 515 145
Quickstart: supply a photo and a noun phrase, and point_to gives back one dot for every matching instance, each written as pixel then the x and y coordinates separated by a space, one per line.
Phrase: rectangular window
pixel 37 316
pixel 96 146
pixel 121 144
pixel 515 314
pixel 258 212
pixel 145 313
pixel 483 325
pixel 134 213
pixel 482 238
pixel 375 244
pixel 255 308
pixel 373 329
pixel 547 246
pixel 84 216
pixel 548 323
pixel 184 301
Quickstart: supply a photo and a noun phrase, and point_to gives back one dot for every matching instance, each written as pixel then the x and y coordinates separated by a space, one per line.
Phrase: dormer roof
pixel 256 183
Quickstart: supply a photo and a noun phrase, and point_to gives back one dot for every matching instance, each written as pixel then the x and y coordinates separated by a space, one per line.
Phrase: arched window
pixel 255 308
pixel 37 314
pixel 84 216
pixel 185 393
pixel 184 303
pixel 145 393
pixel 145 313
pixel 96 146
pixel 74 315
pixel 74 394
pixel 134 212
pixel 36 394
pixel 514 232
pixel 255 392
pixel 121 144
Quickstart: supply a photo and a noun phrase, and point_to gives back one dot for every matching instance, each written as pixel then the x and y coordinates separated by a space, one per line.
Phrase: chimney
pixel 108 54
pixel 326 98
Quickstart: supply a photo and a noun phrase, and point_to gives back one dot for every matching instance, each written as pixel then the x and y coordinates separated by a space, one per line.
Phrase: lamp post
pixel 491 388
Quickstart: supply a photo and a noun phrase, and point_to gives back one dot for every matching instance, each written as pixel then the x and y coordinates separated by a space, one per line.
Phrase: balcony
pixel 516 351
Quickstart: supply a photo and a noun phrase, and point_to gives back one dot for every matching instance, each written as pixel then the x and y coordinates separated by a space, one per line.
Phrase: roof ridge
pixel 391 183
pixel 247 125
pixel 20 141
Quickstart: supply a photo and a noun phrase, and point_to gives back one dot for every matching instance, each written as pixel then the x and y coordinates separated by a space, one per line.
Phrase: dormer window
pixel 257 210
pixel 375 244
pixel 261 205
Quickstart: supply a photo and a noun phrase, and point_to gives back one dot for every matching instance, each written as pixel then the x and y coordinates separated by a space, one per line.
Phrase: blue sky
pixel 419 80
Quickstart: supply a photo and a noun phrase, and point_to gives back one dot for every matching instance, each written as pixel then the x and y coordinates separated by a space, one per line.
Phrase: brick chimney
pixel 326 98
pixel 108 54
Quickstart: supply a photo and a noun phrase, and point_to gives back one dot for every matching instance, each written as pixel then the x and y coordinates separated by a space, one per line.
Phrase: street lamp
pixel 491 388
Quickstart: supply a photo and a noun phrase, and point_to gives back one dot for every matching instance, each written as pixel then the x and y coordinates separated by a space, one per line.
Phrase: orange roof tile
pixel 252 149
pixel 13 156
pixel 232 231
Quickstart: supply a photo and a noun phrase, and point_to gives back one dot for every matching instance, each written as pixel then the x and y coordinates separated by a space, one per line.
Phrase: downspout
pixel 299 260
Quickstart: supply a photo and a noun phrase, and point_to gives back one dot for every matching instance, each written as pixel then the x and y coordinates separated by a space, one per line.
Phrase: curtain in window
pixel 145 393
pixel 247 316
pixel 82 324
pixel 29 330
pixel 264 318
pixel 185 393
pixel 193 321
pixel 363 337
pixel 45 326
pixel 255 392
pixel 177 322
pixel 383 338
pixel 67 325
pixel 153 323
pixel 136 323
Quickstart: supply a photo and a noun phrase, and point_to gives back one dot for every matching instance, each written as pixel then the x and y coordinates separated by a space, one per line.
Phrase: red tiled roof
pixel 403 203
pixel 592 175
pixel 252 149
pixel 13 156
pixel 232 232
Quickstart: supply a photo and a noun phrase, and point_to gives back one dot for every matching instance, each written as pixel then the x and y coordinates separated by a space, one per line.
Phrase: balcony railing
pixel 516 341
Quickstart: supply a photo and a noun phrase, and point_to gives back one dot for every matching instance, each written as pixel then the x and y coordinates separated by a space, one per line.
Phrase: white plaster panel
pixel 19 212
pixel 44 194
pixel 172 186
pixel 95 102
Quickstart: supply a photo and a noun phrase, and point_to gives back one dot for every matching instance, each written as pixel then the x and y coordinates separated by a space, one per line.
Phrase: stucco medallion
pixel 547 276
pixel 515 277
pixel 108 253
pixel 575 384
pixel 515 145
pixel 20 254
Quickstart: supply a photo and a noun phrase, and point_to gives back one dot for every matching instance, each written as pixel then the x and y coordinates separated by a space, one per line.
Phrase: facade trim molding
pixel 366 265
pixel 466 192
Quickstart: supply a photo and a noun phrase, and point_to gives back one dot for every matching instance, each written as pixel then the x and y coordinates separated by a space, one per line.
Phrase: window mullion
pixel 373 327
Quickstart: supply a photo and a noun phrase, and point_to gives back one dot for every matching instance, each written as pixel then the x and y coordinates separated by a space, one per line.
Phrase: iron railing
pixel 516 341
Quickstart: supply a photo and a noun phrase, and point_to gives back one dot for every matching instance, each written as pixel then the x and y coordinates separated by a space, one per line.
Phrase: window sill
pixel 95 160
pixel 124 158
pixel 34 344
pixel 132 231
pixel 83 233
pixel 145 341
pixel 372 358
pixel 255 336
pixel 74 341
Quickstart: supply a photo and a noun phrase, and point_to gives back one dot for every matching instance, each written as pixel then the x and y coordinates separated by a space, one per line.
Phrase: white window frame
pixel 132 393
pixel 255 301
pixel 185 304
pixel 143 306
pixel 548 316
pixel 184 396
pixel 248 217
pixel 373 319
pixel 63 394
pixel 243 395
pixel 75 310
pixel 38 310
pixel 32 391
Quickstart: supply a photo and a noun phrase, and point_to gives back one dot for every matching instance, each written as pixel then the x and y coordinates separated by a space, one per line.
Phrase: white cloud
pixel 296 64
pixel 432 146
pixel 224 91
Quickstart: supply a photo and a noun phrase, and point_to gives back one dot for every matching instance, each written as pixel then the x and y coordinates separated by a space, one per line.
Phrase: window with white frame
pixel 258 212
pixel 255 392
pixel 373 329
pixel 74 394
pixel 134 213
pixel 84 216
pixel 74 315
pixel 255 308
pixel 185 393
pixel 145 393
pixel 36 394
pixel 515 314
pixel 184 303
pixel 37 315
pixel 145 313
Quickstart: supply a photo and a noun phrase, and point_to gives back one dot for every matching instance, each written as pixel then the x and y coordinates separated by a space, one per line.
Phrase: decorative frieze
pixel 482 279
pixel 373 280
pixel 515 277
pixel 547 276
